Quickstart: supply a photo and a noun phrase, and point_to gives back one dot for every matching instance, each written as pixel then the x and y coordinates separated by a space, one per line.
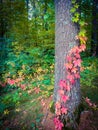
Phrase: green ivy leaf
pixel 77 14
pixel 75 19
pixel 82 23
pixel 82 32
pixel 73 1
pixel 73 10
pixel 76 6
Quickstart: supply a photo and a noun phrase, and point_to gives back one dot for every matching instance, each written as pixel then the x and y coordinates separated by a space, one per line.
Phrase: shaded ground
pixel 47 121
pixel 88 119
pixel 31 115
pixel 25 116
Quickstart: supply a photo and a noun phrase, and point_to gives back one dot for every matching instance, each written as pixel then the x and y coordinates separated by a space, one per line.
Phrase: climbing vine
pixel 73 63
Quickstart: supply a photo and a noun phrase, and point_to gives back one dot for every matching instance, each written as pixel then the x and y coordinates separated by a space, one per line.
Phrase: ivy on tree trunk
pixel 65 32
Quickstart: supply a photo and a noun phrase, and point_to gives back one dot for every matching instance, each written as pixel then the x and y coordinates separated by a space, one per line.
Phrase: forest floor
pixel 88 119
pixel 24 118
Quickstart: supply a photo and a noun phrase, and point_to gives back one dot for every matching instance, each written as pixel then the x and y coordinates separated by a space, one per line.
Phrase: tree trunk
pixel 65 32
pixel 27 5
pixel 2 31
pixel 94 42
pixel 96 3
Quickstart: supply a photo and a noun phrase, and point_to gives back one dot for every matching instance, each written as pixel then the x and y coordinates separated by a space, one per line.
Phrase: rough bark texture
pixel 65 32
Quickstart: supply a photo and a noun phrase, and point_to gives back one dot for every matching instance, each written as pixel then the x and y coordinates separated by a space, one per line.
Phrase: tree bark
pixel 65 32
pixel 94 42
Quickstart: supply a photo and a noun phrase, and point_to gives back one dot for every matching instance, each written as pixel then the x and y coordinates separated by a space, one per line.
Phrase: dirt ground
pixel 88 120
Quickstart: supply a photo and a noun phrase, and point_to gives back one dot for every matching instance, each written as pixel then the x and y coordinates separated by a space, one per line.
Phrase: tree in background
pixel 29 23
pixel 94 41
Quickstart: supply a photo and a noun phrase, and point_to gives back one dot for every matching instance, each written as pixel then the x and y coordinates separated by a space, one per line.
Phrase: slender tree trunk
pixel 45 10
pixel 35 20
pixel 94 42
pixel 2 31
pixel 65 32
pixel 96 3
pixel 27 4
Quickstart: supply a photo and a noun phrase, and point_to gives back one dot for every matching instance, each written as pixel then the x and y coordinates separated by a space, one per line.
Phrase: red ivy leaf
pixel 74 50
pixel 77 75
pixel 77 55
pixel 23 86
pixel 57 105
pixel 58 124
pixel 82 47
pixel 68 66
pixel 58 112
pixel 68 88
pixel 74 70
pixel 11 81
pixel 64 110
pixel 69 58
pixel 61 92
pixel 77 62
pixel 62 83
pixel 70 77
pixel 65 98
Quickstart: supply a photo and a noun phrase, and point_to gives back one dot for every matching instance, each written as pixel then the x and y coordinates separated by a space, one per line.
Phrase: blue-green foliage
pixel 89 78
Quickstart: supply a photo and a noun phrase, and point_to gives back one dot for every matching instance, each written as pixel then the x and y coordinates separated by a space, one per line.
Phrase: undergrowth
pixel 36 71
